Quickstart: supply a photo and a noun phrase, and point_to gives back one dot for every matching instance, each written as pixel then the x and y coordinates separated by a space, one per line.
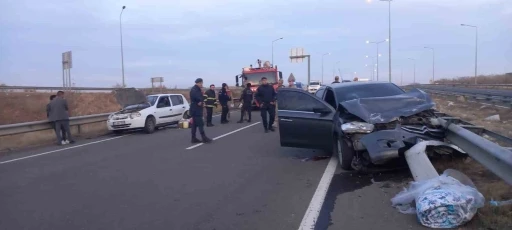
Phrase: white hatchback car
pixel 147 112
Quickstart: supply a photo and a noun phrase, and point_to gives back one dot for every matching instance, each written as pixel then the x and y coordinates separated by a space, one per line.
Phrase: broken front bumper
pixel 386 145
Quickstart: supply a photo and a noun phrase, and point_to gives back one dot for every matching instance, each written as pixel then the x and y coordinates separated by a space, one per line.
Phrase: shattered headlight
pixel 357 127
pixel 134 115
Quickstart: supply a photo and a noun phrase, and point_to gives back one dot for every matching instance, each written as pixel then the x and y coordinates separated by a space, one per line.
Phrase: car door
pixel 178 107
pixel 305 121
pixel 163 111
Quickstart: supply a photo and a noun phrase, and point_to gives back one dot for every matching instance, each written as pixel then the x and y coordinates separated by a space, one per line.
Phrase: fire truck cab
pixel 254 75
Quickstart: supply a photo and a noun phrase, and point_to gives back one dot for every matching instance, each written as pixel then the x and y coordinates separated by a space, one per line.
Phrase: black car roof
pixel 353 83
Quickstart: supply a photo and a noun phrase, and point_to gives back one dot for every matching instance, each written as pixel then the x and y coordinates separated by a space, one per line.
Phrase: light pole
pixel 476 49
pixel 121 32
pixel 389 35
pixel 323 65
pixel 414 61
pixel 433 62
pixel 273 50
pixel 375 65
pixel 377 43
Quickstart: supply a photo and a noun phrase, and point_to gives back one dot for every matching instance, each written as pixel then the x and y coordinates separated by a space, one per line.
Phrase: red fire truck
pixel 254 75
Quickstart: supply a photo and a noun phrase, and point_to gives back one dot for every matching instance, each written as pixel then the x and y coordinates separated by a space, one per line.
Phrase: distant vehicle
pixel 363 79
pixel 254 75
pixel 313 86
pixel 147 113
pixel 367 124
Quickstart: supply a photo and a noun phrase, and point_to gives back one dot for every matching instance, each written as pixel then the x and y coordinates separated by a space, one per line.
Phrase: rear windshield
pixel 367 90
pixel 314 83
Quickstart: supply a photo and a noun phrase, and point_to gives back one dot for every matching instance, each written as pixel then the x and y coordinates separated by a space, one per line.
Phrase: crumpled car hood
pixel 386 109
pixel 129 96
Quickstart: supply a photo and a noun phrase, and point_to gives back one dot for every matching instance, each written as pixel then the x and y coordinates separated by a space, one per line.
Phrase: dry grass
pixel 18 107
pixel 489 79
pixel 491 186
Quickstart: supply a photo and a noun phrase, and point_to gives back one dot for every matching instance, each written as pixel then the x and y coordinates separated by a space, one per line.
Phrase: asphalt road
pixel 244 180
pixel 492 92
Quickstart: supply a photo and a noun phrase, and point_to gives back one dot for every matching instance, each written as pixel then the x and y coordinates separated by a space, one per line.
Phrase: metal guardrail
pixel 504 101
pixel 471 139
pixel 45 125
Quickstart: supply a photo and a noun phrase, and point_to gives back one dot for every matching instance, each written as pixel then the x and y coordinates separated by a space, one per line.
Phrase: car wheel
pixel 149 127
pixel 345 153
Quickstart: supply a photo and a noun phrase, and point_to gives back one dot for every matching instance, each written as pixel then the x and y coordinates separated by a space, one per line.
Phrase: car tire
pixel 149 126
pixel 345 153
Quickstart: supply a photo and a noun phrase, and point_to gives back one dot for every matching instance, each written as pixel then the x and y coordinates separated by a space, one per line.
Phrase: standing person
pixel 246 99
pixel 53 123
pixel 210 101
pixel 280 84
pixel 336 80
pixel 291 84
pixel 223 100
pixel 196 112
pixel 266 97
pixel 59 114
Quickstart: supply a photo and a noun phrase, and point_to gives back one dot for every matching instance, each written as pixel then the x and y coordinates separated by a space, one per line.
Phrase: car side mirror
pixel 321 110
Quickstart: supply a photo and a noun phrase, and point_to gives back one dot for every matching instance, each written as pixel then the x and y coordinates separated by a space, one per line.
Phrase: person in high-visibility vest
pixel 210 101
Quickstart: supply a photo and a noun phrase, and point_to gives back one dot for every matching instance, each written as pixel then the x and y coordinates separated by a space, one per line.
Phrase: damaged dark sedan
pixel 365 123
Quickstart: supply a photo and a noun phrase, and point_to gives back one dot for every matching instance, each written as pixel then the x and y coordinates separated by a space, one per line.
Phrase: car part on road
pixel 149 126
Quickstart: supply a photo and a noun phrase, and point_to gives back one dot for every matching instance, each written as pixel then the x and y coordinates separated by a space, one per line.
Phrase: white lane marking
pixel 223 135
pixel 59 150
pixel 313 211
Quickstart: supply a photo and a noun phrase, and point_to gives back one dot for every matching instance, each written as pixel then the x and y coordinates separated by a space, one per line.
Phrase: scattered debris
pixel 315 158
pixel 447 201
pixel 461 99
pixel 500 203
pixel 450 103
pixel 493 118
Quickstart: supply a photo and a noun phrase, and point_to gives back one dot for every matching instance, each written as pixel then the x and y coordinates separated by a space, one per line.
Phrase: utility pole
pixel 121 33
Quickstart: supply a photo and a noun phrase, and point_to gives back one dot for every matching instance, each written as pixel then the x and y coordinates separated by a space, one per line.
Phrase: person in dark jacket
pixel 246 99
pixel 266 97
pixel 224 97
pixel 210 101
pixel 196 112
pixel 336 80
pixel 58 112
pixel 53 123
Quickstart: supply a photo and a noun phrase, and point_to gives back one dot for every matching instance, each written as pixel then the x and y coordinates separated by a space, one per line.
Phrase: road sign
pixel 297 55
pixel 67 60
pixel 157 79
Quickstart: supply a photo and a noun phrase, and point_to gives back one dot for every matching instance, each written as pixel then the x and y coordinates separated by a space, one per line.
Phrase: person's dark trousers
pixel 197 123
pixel 271 110
pixel 62 126
pixel 223 116
pixel 209 114
pixel 246 109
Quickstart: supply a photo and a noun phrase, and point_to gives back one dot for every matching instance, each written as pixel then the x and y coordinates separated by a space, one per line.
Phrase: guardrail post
pixel 79 127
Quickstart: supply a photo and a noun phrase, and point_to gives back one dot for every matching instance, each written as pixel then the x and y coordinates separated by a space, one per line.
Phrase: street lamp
pixel 433 62
pixel 378 55
pixel 389 35
pixel 414 61
pixel 323 65
pixel 376 66
pixel 121 32
pixel 273 50
pixel 476 49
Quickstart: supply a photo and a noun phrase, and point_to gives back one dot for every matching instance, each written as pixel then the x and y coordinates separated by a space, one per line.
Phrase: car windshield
pixel 255 78
pixel 314 83
pixel 367 90
pixel 152 99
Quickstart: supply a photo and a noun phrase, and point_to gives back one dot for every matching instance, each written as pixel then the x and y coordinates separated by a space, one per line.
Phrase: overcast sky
pixel 214 39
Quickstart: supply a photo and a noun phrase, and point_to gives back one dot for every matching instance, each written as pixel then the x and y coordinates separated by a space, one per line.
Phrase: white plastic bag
pixel 441 202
